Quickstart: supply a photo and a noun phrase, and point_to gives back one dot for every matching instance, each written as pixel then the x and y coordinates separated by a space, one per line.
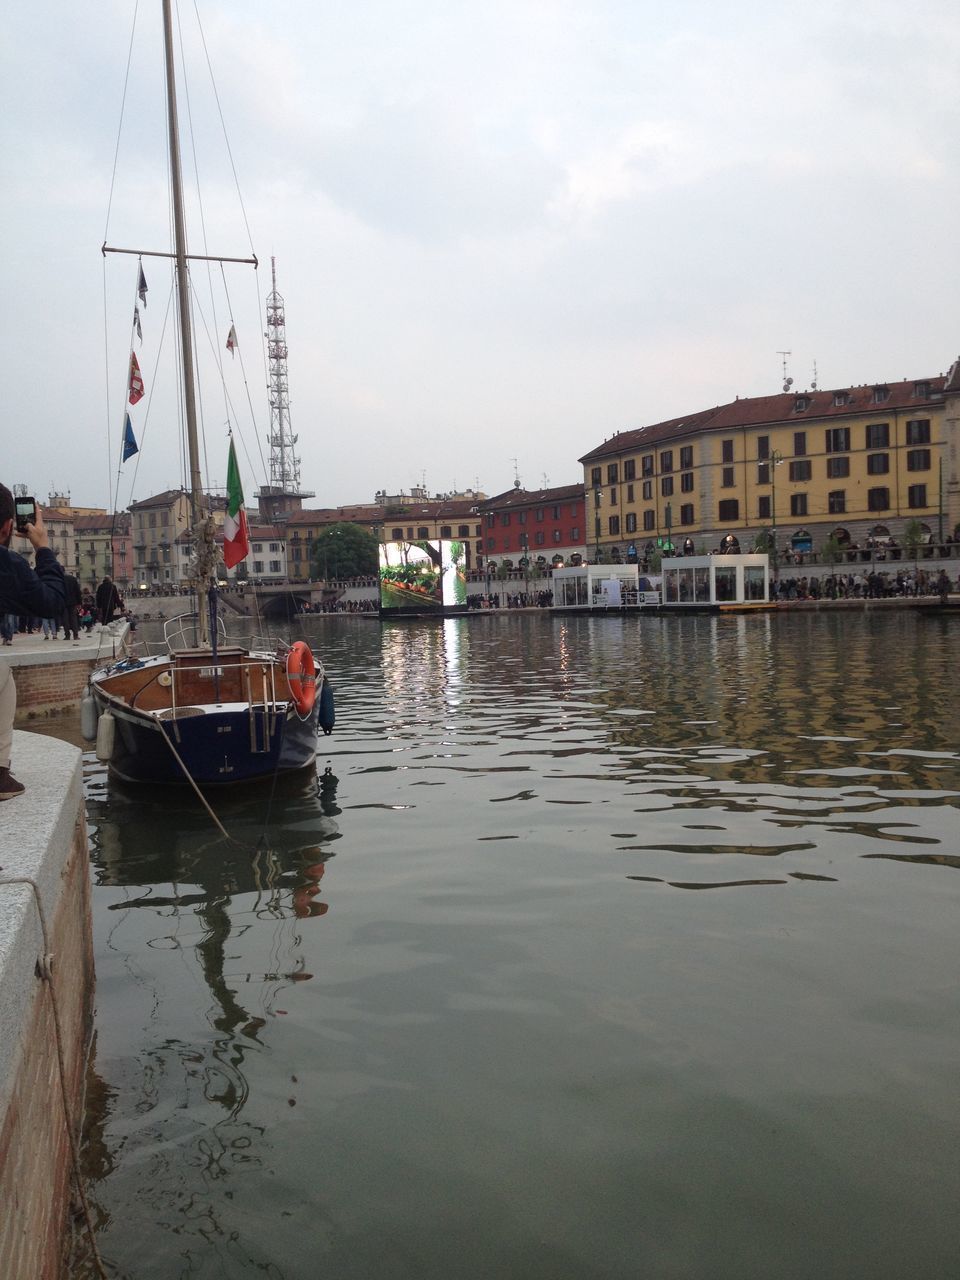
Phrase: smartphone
pixel 26 513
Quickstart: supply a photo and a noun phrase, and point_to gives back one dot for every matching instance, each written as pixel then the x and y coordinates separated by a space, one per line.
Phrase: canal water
pixel 599 948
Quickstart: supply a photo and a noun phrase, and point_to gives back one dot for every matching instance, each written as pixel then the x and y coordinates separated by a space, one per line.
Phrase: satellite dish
pixel 788 384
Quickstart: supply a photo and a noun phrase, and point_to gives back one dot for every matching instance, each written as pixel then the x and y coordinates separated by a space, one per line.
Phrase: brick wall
pixel 50 687
pixel 35 1165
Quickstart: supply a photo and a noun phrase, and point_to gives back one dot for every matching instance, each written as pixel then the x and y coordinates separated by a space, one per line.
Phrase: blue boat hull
pixel 215 748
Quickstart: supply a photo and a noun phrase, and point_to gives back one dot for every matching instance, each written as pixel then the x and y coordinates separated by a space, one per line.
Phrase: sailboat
pixel 206 712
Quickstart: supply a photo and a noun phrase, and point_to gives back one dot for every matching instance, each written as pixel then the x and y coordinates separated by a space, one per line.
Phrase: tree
pixel 345 550
pixel 831 550
pixel 913 538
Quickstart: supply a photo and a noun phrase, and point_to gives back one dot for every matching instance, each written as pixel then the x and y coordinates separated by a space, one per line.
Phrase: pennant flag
pixel 142 286
pixel 130 446
pixel 136 322
pixel 236 542
pixel 231 339
pixel 136 381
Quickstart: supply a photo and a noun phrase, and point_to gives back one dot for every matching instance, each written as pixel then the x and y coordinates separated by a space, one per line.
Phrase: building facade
pixel 103 546
pixel 857 464
pixel 543 528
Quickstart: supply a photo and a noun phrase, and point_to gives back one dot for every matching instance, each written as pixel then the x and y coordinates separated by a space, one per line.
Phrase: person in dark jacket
pixel 109 603
pixel 71 608
pixel 37 592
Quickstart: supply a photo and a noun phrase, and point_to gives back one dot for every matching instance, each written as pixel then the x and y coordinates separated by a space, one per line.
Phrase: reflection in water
pixel 514 1044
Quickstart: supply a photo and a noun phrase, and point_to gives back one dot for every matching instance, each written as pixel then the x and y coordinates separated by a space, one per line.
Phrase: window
pixel 646 464
pixel 557 535
pixel 153 519
pixel 729 509
pixel 424 532
pixel 297 554
pixel 763 507
pixel 274 546
pixel 630 493
pixel 613 524
pixel 801 403
pixel 613 501
pixel 538 538
pixel 878 464
pixel 275 566
pixel 918 431
pixel 666 487
pixel 798 504
pixel 838 440
pixel 666 460
pixel 258 566
pixel 409 530
pixel 881 395
pixel 446 531
pixel 505 519
pixel 917 495
pixel 726 478
pixel 837 501
pixel 575 531
pixel 726 451
pixel 922 390
pixel 686 513
pixel 647 490
pixel 612 473
pixel 800 471
pixel 763 473
pixel 840 398
pixel 837 467
pixel 648 521
pixel 539 515
pixel 521 519
pixel 878 499
pixel 686 482
pixel 878 435
pixel 463 531
pixel 630 469
pixel 491 520
pixel 799 444
pixel 595 475
pixel 763 447
pixel 686 457
pixel 596 500
pixel 631 523
pixel 491 542
pixel 556 512
pixel 918 459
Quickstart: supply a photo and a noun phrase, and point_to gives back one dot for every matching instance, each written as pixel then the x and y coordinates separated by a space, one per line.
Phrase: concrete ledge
pixel 43 838
pixel 52 674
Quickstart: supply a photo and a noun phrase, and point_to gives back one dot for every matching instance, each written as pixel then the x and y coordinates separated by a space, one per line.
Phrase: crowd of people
pixel 876 585
pixel 79 609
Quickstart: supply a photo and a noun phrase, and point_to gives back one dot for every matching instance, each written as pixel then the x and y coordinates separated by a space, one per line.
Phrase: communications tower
pixel 283 494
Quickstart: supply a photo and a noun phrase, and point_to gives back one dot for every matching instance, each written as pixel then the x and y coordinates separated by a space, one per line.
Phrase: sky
pixel 503 230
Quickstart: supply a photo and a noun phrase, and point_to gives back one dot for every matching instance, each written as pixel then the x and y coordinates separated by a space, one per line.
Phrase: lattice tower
pixel 284 463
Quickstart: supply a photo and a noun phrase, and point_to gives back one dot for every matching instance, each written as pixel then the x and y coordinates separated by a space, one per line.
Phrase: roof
pixel 515 499
pixel 779 410
pixel 103 524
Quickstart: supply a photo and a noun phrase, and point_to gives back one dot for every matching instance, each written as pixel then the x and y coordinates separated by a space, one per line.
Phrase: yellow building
pixel 857 463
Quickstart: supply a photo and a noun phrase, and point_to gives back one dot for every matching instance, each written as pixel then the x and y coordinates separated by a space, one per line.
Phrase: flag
pixel 142 286
pixel 136 322
pixel 231 339
pixel 136 381
pixel 130 446
pixel 236 542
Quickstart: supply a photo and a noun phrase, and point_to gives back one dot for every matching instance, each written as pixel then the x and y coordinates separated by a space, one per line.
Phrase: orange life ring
pixel 302 677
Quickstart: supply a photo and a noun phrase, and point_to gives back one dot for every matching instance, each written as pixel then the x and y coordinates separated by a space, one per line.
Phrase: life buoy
pixel 302 677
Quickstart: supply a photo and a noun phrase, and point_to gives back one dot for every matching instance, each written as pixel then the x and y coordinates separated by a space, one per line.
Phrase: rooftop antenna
pixel 546 481
pixel 516 474
pixel 787 382
pixel 813 384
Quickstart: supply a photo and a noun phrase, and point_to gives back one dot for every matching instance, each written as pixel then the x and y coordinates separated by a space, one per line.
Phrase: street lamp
pixel 776 458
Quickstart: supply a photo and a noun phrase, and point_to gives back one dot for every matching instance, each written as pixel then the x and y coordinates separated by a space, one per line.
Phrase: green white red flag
pixel 236 541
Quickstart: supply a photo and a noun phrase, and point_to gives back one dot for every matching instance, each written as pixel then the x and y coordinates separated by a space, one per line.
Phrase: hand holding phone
pixel 26 513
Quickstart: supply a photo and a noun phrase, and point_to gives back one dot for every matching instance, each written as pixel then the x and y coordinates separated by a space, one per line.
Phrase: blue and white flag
pixel 142 287
pixel 130 446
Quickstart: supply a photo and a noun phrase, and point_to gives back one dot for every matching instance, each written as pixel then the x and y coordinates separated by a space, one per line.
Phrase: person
pixel 108 601
pixel 71 608
pixel 22 590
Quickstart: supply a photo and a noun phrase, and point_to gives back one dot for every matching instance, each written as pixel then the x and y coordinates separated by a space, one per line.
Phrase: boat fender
pixel 302 678
pixel 106 731
pixel 88 717
pixel 328 714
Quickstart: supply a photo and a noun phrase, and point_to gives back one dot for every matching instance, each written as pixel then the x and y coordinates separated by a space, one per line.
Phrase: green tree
pixel 345 550
pixel 913 537
pixel 831 551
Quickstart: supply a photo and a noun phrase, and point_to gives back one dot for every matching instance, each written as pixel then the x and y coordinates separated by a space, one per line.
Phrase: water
pixel 606 948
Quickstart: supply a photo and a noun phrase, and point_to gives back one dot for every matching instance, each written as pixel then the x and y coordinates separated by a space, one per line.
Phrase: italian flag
pixel 236 543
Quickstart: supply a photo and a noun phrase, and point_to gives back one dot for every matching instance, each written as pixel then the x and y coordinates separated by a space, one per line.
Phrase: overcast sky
pixel 504 230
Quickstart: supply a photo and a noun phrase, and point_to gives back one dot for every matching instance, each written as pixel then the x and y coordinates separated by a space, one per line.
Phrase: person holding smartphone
pixel 36 592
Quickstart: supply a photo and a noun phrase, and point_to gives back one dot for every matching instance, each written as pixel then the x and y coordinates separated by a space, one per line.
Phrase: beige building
pixel 855 463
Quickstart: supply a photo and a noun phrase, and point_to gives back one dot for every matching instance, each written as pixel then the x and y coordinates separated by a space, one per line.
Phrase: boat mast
pixel 186 328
